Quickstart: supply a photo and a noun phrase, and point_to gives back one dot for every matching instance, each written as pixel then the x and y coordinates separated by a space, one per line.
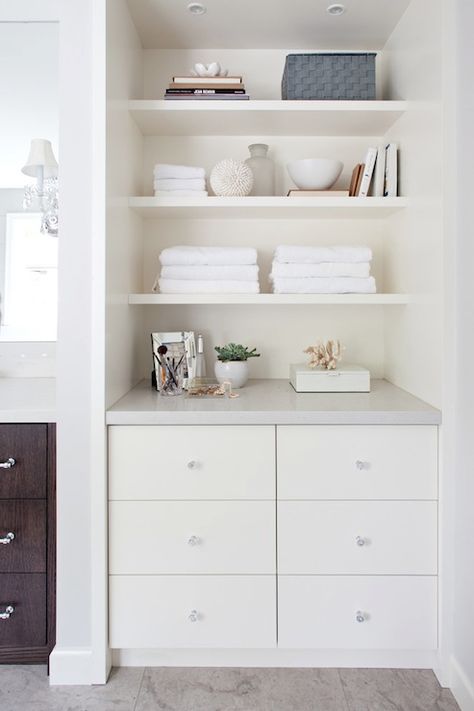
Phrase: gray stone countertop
pixel 274 402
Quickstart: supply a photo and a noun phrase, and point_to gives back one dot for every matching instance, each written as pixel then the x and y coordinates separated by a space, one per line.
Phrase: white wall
pixel 463 632
pixel 80 652
pixel 414 239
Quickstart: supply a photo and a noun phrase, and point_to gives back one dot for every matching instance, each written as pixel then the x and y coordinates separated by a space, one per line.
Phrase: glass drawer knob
pixel 361 465
pixel 360 617
pixel 192 464
pixel 360 541
pixel 193 616
pixel 194 541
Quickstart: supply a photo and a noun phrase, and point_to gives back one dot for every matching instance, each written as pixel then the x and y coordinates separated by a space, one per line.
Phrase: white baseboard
pixel 398 659
pixel 461 686
pixel 70 665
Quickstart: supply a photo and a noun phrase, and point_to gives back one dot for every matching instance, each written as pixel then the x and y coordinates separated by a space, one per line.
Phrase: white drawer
pixel 192 611
pixel 321 612
pixel 357 537
pixel 357 462
pixel 220 537
pixel 181 462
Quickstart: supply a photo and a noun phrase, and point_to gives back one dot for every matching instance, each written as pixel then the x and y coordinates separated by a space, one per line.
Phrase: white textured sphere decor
pixel 231 178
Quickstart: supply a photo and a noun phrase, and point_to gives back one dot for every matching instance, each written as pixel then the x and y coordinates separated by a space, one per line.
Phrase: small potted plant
pixel 231 364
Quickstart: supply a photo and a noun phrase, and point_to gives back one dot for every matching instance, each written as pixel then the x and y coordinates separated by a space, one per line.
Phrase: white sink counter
pixel 27 400
pixel 264 402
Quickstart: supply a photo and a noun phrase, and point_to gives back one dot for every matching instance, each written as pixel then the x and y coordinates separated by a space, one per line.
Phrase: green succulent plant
pixel 235 351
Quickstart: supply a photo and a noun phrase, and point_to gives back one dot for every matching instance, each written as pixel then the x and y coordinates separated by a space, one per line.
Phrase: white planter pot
pixel 234 371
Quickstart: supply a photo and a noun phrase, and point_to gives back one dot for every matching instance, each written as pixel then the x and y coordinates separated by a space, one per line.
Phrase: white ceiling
pixel 266 24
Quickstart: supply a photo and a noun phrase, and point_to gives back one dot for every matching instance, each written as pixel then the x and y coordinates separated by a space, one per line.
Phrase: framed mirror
pixel 28 257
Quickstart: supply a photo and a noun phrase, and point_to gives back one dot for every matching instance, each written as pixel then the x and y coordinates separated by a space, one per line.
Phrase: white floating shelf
pixel 267 207
pixel 271 299
pixel 265 118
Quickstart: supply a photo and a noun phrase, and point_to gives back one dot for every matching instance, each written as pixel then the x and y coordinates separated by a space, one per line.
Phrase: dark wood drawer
pixel 28 446
pixel 26 625
pixel 26 553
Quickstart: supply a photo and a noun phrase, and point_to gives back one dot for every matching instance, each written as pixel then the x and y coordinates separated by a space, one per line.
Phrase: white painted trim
pixel 70 665
pixel 101 658
pixel 392 659
pixel 461 686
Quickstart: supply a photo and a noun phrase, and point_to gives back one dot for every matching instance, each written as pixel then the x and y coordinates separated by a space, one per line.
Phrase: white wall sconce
pixel 42 165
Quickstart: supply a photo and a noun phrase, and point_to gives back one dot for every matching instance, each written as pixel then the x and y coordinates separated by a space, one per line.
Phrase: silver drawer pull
pixel 194 541
pixel 193 464
pixel 361 541
pixel 360 616
pixel 193 616
pixel 9 464
pixel 7 613
pixel 7 539
pixel 361 465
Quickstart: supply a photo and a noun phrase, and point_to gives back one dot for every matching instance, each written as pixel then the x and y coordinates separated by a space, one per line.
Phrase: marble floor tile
pixel 395 690
pixel 26 688
pixel 188 689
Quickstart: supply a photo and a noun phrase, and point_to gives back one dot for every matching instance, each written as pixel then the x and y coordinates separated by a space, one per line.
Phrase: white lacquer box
pixel 345 379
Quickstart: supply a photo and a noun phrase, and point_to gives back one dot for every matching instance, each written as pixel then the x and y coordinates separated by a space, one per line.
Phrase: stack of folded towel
pixel 322 270
pixel 179 180
pixel 208 270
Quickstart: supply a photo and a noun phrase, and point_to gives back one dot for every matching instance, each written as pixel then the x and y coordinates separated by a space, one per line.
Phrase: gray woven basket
pixel 329 76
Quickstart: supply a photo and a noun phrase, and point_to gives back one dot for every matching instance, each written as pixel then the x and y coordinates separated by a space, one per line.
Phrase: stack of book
pixel 378 176
pixel 207 88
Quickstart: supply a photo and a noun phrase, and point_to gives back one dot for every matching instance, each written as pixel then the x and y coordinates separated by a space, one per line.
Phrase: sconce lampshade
pixel 41 156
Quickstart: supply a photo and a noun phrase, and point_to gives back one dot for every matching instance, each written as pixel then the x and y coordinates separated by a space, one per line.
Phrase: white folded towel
pixel 315 255
pixel 245 272
pixel 171 184
pixel 322 285
pixel 182 286
pixel 187 255
pixel 181 172
pixel 324 269
pixel 181 193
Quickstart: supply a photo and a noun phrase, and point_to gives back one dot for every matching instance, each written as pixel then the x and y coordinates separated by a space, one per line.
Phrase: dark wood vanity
pixel 27 542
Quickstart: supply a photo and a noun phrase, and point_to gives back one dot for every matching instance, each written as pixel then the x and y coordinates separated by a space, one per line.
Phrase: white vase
pixel 234 371
pixel 263 170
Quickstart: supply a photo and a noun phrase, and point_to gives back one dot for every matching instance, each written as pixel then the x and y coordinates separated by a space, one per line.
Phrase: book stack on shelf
pixel 378 176
pixel 207 88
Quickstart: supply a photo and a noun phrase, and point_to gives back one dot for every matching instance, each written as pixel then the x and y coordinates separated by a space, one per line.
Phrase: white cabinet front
pixel 357 462
pixel 191 537
pixel 357 537
pixel 183 462
pixel 351 612
pixel 192 611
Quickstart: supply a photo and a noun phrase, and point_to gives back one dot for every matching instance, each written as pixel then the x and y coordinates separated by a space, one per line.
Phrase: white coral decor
pixel 325 355
pixel 231 178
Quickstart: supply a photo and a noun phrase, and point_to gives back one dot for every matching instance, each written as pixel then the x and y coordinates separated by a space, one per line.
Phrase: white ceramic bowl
pixel 315 173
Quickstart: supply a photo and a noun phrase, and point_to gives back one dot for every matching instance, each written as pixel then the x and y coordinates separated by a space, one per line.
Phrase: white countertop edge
pixel 274 418
pixel 27 417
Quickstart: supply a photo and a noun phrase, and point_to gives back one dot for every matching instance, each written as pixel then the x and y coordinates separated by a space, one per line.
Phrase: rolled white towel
pixel 187 255
pixel 171 184
pixel 323 285
pixel 324 269
pixel 181 172
pixel 181 193
pixel 245 272
pixel 314 255
pixel 183 286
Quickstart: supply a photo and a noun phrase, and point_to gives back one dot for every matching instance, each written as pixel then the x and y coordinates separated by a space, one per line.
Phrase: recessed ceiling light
pixel 197 8
pixel 336 9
